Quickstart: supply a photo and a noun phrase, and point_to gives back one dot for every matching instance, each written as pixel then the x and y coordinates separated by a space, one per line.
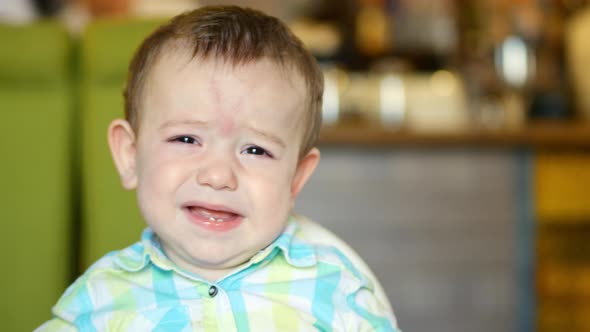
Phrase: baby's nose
pixel 217 174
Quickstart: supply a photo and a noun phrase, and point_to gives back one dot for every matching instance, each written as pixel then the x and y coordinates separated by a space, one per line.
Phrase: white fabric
pixel 320 235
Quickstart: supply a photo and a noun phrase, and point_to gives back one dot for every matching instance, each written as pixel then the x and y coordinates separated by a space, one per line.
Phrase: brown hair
pixel 238 36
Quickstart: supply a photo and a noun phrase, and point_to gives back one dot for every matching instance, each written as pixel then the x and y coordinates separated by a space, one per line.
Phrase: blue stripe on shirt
pixel 82 300
pixel 328 278
pixel 167 297
pixel 238 306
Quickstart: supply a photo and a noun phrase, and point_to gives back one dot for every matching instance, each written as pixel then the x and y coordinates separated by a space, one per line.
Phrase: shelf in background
pixel 536 135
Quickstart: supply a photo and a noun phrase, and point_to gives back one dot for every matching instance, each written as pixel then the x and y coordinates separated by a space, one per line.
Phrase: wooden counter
pixel 535 135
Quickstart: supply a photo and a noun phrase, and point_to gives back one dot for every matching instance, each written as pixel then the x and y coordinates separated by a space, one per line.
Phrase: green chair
pixel 35 172
pixel 111 219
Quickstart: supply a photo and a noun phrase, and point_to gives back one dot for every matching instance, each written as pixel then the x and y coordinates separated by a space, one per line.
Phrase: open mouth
pixel 213 217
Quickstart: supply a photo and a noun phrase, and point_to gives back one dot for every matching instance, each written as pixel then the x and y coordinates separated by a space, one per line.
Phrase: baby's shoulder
pixel 331 249
pixel 110 272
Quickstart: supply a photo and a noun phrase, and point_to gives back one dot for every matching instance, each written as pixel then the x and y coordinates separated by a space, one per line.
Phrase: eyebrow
pixel 270 137
pixel 188 123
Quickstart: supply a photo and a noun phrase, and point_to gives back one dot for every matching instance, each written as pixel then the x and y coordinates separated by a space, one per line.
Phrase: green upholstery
pixel 33 55
pixel 111 219
pixel 35 172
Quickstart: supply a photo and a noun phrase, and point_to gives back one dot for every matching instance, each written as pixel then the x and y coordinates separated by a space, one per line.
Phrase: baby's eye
pixel 256 150
pixel 185 140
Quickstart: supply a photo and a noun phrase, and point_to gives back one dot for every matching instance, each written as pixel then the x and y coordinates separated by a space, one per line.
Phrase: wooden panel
pixel 562 187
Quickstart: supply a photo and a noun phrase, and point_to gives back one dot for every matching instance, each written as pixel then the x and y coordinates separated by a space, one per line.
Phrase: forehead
pixel 180 82
pixel 177 62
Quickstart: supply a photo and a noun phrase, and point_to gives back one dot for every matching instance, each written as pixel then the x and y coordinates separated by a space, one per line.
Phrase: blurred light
pixel 513 62
pixel 443 83
pixel 392 100
pixel 331 101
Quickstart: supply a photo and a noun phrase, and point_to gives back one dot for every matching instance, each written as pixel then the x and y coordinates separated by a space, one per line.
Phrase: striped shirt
pixel 291 285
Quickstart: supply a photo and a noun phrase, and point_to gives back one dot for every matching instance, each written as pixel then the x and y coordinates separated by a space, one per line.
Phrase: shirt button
pixel 212 291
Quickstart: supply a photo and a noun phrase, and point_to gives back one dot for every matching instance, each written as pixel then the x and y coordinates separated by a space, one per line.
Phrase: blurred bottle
pixel 533 59
pixel 550 90
pixel 578 53
pixel 480 31
pixel 374 30
pixel 357 34
pixel 513 61
pixel 422 31
pixel 326 27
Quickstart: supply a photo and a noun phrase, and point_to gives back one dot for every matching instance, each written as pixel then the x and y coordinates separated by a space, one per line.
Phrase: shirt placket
pixel 217 311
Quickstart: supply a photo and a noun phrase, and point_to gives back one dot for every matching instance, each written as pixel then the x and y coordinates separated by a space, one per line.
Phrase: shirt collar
pixel 139 255
pixel 296 252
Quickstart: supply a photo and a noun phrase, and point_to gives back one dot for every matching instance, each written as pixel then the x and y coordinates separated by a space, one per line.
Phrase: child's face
pixel 215 163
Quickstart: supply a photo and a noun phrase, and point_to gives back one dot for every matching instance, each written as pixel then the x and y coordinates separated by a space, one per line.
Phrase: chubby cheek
pixel 159 179
pixel 272 193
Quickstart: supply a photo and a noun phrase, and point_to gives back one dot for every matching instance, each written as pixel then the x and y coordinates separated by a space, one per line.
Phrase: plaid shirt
pixel 292 285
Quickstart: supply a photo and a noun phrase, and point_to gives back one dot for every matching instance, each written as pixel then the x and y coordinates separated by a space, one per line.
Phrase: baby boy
pixel 223 109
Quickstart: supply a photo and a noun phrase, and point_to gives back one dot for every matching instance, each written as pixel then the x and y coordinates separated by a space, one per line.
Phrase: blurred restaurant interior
pixel 455 150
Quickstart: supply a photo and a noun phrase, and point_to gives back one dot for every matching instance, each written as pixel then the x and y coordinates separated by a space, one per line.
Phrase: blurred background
pixel 455 150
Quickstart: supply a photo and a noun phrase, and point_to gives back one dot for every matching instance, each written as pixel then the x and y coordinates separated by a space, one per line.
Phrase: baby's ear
pixel 122 143
pixel 304 170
